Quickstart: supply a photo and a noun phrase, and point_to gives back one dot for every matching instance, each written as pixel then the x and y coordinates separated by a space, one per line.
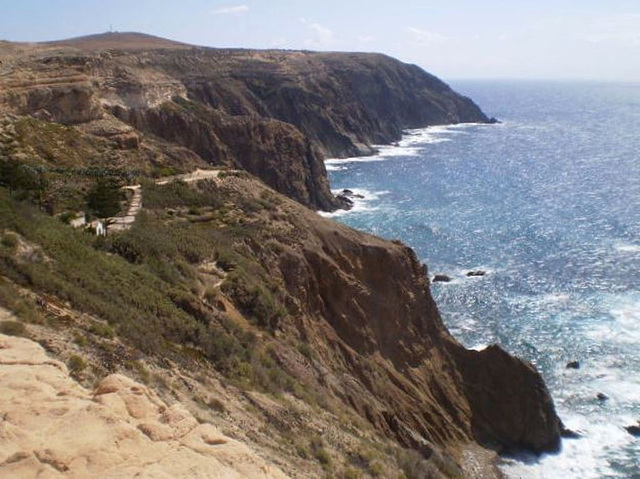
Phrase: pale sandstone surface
pixel 53 427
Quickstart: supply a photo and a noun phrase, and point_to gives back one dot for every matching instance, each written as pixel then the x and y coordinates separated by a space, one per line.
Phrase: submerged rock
pixel 441 278
pixel 573 365
pixel 602 397
pixel 634 429
pixel 479 272
pixel 570 434
pixel 345 202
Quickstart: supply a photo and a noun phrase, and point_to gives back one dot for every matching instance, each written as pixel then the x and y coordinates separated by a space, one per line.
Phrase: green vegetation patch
pixel 145 283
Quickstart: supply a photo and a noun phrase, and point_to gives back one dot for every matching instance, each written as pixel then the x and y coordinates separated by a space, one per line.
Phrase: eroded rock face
pixel 53 427
pixel 274 113
pixel 365 306
pixel 510 402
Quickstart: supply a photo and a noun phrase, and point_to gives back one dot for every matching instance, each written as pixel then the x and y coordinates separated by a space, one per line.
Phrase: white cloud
pixel 321 36
pixel 233 10
pixel 424 37
pixel 365 38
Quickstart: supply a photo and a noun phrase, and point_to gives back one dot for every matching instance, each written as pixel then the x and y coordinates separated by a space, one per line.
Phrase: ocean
pixel 548 204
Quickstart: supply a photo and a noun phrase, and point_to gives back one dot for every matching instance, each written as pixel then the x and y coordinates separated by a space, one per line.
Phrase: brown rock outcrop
pixel 365 306
pixel 274 113
pixel 53 427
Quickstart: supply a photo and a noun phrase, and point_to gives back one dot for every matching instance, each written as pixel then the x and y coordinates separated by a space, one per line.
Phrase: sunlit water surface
pixel 548 203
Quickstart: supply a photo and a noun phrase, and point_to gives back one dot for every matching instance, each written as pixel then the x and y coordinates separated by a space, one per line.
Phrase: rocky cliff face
pixel 228 287
pixel 294 107
pixel 366 304
pixel 258 292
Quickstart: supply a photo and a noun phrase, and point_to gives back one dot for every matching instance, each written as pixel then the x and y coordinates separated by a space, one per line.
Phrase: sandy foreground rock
pixel 51 426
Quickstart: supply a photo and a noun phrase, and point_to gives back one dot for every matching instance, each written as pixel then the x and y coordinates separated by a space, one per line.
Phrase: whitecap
pixel 627 248
pixel 581 457
pixel 393 151
pixel 624 327
pixel 362 199
pixel 408 146
pixel 356 159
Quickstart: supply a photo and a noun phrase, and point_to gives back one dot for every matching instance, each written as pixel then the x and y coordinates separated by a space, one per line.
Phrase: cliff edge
pixel 275 113
pixel 317 345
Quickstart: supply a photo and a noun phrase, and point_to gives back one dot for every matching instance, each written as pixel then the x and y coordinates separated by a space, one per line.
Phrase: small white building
pixel 99 227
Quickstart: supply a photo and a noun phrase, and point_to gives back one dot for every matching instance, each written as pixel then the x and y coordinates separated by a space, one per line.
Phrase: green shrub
pixel 253 299
pixel 76 364
pixel 316 445
pixel 101 329
pixel 139 368
pixel 217 405
pixel 23 308
pixel 10 240
pixel 351 473
pixel 66 217
pixel 80 339
pixel 103 198
pixel 178 194
pixel 12 328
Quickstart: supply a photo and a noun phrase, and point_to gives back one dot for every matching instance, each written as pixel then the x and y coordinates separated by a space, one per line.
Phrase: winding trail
pixel 121 223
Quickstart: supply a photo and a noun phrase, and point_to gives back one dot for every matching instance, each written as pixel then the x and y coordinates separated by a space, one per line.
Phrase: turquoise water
pixel 548 203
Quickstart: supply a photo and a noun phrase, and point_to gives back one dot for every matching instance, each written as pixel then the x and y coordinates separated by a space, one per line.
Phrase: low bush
pixel 12 328
pixel 76 364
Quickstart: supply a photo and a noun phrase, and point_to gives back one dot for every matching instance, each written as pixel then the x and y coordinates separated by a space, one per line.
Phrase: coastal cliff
pixel 318 346
pixel 276 114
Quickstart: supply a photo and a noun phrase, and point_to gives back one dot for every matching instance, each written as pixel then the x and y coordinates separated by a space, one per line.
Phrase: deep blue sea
pixel 548 203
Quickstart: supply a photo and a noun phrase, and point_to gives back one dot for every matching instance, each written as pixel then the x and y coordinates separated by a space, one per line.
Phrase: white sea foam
pixel 627 248
pixel 479 347
pixel 583 457
pixel 355 159
pixel 394 151
pixel 362 202
pixel 625 327
pixel 410 145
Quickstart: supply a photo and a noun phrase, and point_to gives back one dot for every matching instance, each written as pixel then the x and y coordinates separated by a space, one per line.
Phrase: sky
pixel 454 39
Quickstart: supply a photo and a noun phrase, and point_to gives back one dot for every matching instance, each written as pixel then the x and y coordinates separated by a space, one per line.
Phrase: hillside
pixel 318 347
pixel 276 114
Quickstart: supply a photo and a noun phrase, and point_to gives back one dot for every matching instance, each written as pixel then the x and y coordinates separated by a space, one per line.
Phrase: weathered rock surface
pixel 274 113
pixel 53 427
pixel 364 305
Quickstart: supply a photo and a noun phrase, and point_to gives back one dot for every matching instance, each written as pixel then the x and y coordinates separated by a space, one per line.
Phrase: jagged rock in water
pixel 476 273
pixel 441 278
pixel 634 429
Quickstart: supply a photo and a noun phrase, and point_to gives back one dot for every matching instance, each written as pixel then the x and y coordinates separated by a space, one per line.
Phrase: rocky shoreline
pixel 335 318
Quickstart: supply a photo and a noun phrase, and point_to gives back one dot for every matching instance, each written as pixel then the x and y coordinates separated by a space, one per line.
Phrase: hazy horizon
pixel 498 40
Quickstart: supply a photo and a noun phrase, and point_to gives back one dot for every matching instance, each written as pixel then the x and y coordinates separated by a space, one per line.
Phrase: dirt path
pixel 196 175
pixel 121 223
